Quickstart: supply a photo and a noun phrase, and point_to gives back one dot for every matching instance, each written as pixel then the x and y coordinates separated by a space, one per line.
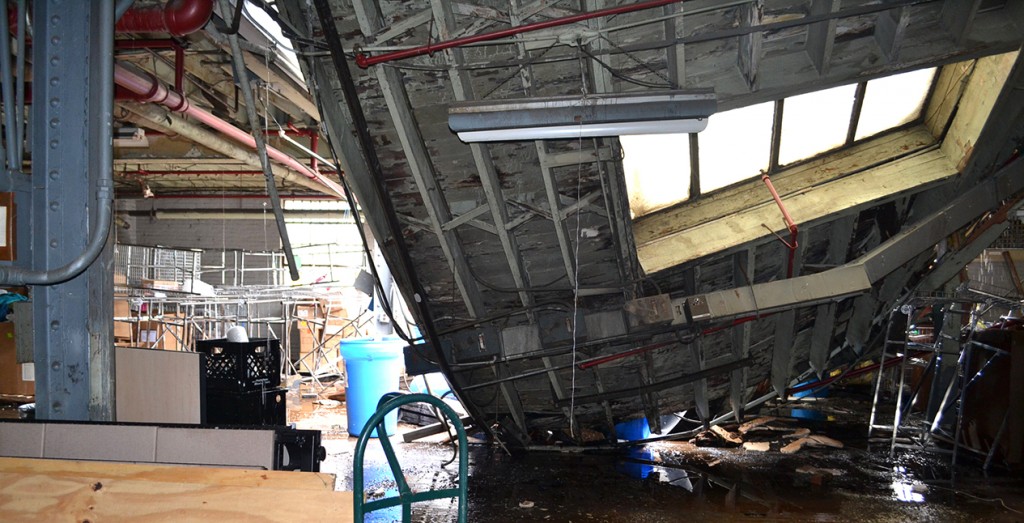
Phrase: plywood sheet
pixel 277 479
pixel 34 496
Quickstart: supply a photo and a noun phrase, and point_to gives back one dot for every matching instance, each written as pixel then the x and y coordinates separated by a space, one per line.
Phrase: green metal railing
pixel 406 497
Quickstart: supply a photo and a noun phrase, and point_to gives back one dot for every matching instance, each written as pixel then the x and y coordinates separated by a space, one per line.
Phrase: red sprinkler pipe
pixel 314 140
pixel 177 17
pixel 792 244
pixel 196 172
pixel 364 61
pixel 207 196
pixel 152 90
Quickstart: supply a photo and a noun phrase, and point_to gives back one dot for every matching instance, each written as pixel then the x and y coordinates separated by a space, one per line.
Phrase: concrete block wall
pixel 255 235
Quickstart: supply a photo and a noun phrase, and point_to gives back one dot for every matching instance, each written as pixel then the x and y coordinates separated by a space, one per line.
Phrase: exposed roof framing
pixel 869 213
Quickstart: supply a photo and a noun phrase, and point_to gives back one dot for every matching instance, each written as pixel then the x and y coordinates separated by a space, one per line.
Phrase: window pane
pixel 815 122
pixel 893 101
pixel 657 170
pixel 735 146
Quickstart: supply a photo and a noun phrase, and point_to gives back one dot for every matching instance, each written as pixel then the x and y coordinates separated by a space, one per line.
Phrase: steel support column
pixel 73 339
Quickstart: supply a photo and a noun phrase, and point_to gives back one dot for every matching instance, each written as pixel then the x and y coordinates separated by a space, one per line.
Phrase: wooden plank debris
pixel 729 437
pixel 757 446
pixel 746 427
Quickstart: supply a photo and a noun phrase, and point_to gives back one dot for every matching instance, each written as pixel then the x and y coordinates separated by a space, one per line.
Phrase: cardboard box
pixel 161 285
pixel 161 335
pixel 122 309
pixel 12 374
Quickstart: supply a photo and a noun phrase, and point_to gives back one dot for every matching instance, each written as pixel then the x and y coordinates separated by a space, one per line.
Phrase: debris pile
pixel 764 434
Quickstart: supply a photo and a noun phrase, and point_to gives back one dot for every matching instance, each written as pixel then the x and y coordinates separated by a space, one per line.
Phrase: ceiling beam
pixel 749 54
pixel 743 271
pixel 463 90
pixel 421 167
pixel 824 318
pixel 890 30
pixel 821 35
pixel 957 16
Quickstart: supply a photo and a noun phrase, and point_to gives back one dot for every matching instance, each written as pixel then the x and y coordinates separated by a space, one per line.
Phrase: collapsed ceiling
pixel 547 304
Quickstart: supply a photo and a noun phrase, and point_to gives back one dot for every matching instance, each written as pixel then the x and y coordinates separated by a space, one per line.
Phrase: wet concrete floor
pixel 677 481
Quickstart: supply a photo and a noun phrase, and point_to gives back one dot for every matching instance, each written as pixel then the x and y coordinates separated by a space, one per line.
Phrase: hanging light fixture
pixel 583 117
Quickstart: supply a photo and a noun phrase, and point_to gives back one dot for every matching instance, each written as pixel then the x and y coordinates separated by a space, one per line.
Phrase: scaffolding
pixel 942 362
pixel 309 324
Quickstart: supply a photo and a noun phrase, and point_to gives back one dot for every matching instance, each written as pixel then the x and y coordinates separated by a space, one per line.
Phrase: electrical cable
pixel 625 78
pixel 576 256
pixel 530 61
pixel 354 210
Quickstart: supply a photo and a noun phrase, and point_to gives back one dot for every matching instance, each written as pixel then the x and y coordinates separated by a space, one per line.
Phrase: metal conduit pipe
pixel 242 76
pixel 364 61
pixel 104 150
pixel 153 117
pixel 19 87
pixel 177 17
pixel 150 89
pixel 10 135
pixel 121 7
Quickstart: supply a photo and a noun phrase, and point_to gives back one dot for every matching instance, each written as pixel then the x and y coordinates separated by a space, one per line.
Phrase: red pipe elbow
pixel 177 17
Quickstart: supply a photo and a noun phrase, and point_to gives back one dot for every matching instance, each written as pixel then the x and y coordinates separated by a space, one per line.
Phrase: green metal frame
pixel 406 497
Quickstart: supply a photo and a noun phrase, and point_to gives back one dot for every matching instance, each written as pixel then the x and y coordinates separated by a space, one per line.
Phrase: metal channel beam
pixel 73 339
pixel 445 20
pixel 785 329
pixel 743 271
pixel 420 165
pixel 821 36
pixel 889 31
pixel 825 315
pixel 700 387
pixel 749 54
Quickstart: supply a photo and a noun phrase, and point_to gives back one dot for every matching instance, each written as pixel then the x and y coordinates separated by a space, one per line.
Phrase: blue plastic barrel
pixel 372 367
pixel 633 430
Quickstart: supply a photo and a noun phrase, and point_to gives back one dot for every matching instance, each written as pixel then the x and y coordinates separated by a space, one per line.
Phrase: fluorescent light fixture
pixel 567 117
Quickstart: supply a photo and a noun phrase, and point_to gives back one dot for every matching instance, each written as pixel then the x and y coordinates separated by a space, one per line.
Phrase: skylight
pixel 737 144
pixel 815 122
pixel 893 101
pixel 666 155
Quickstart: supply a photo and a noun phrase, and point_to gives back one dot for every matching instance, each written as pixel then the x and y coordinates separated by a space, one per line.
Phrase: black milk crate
pixel 258 407
pixel 242 366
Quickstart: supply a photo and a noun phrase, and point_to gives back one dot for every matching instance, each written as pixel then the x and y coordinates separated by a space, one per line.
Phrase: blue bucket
pixel 372 368
pixel 633 430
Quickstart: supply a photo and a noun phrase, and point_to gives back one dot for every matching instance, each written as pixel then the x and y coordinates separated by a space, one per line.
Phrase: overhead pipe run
pixel 363 60
pixel 177 17
pixel 150 89
pixel 150 116
pixel 179 55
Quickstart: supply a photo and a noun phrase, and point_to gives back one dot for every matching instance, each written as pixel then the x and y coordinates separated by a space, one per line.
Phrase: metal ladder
pixel 406 497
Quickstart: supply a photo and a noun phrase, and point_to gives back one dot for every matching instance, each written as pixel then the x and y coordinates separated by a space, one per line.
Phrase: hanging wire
pixel 576 256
